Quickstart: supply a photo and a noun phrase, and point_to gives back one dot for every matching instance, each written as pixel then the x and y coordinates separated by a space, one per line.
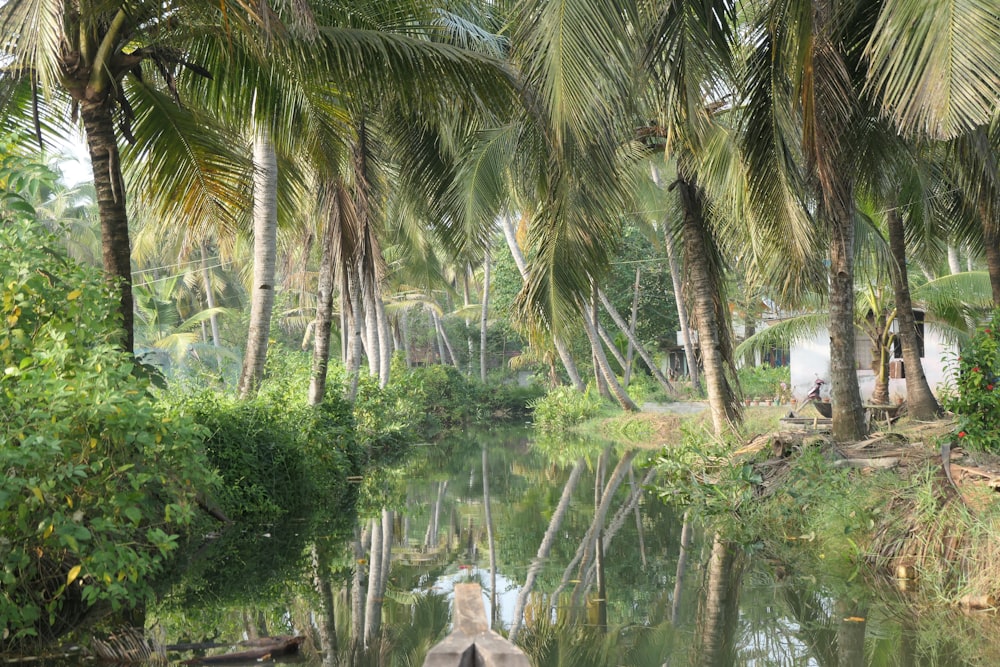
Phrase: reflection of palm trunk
pixel 361 542
pixel 597 525
pixel 483 317
pixel 325 591
pixel 545 547
pixel 721 606
pixel 374 576
pixel 675 609
pixel 431 539
pixel 489 537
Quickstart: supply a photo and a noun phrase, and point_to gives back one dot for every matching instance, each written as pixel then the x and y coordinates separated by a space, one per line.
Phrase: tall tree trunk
pixel 447 343
pixel 705 290
pixel 354 354
pixel 384 340
pixel 507 224
pixel 991 244
pixel 324 307
pixel 436 332
pixel 636 344
pixel 544 548
pixel 369 295
pixel 265 229
pixel 630 350
pixel 602 363
pixel 209 296
pixel 880 361
pixel 404 332
pixel 610 343
pixel 833 173
pixel 116 248
pixel 920 401
pixel 483 317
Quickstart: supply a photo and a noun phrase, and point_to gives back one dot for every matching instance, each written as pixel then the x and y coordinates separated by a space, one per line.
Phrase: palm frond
pixel 936 63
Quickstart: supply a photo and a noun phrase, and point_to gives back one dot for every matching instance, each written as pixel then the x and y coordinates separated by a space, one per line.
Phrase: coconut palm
pixel 62 60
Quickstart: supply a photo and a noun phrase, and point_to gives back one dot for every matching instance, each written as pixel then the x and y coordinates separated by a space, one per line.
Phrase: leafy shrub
pixel 564 407
pixel 276 454
pixel 764 381
pixel 976 396
pixel 99 478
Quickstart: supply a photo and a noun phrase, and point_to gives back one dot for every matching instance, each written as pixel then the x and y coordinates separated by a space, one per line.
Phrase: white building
pixel 810 359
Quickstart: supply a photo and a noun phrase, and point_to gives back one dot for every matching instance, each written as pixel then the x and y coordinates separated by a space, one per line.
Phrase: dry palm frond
pixel 130 645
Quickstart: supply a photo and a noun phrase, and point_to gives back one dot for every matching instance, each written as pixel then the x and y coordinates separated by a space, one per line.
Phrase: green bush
pixel 976 396
pixel 764 381
pixel 99 478
pixel 564 407
pixel 277 455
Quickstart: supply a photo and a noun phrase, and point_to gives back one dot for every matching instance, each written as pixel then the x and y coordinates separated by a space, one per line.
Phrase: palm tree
pixel 60 56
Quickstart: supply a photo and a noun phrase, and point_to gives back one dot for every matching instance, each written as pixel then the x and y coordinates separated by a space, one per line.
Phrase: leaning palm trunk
pixel 600 514
pixel 633 315
pixel 920 401
pixel 116 250
pixel 705 290
pixel 265 226
pixel 522 267
pixel 604 367
pixel 634 342
pixel 544 548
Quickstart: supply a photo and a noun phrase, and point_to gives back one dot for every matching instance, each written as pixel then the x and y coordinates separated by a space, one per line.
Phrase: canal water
pixel 589 568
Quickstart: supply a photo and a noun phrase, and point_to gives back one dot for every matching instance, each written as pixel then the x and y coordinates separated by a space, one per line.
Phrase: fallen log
pixel 264 650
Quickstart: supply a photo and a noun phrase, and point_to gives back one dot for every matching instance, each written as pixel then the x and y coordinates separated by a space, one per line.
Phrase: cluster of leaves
pixel 765 381
pixel 99 478
pixel 437 399
pixel 276 454
pixel 564 407
pixel 975 399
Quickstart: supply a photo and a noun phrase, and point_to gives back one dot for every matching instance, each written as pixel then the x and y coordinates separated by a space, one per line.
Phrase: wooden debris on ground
pixel 265 648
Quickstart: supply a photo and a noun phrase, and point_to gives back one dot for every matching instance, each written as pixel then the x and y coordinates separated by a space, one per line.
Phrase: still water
pixel 589 568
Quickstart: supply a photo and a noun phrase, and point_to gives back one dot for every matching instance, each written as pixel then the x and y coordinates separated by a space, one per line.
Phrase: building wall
pixel 810 359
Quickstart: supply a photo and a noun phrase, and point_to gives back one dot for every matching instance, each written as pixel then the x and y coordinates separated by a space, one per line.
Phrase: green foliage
pixel 275 453
pixel 976 396
pixel 99 478
pixel 564 407
pixel 765 381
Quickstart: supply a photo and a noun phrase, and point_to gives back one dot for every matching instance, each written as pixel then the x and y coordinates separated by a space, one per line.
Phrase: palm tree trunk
pixel 404 332
pixel 602 363
pixel 483 317
pixel 265 227
pixel 544 548
pixel 371 327
pixel 636 344
pixel 384 340
pixel 610 344
pixel 630 350
pixel 848 413
pixel 507 224
pixel 209 296
pixel 954 264
pixel 355 344
pixel 447 343
pixel 324 309
pixel 991 245
pixel 116 248
pixel 705 291
pixel 920 401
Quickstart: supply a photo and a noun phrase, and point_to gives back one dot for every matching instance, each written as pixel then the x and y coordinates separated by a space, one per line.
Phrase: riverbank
pixel 906 504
